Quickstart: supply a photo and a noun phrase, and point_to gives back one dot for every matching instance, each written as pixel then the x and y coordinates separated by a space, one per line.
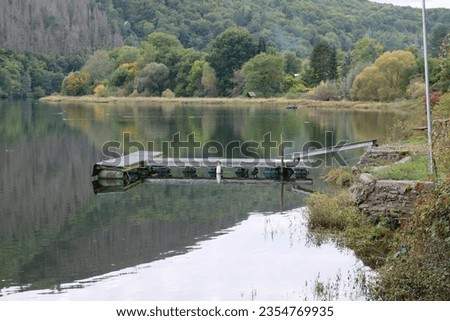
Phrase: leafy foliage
pixel 229 51
pixel 323 63
pixel 441 138
pixel 76 84
pixel 33 74
pixel 325 91
pixel 152 79
pixel 419 269
pixel 264 74
pixel 286 25
pixel 99 66
pixel 386 79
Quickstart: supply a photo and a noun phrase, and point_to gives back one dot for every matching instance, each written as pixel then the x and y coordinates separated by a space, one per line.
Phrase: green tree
pixel 438 35
pixel 323 63
pixel 124 76
pixel 99 66
pixel 164 48
pixel 184 67
pixel 228 53
pixel 443 77
pixel 366 51
pixel 195 87
pixel 209 80
pixel 293 63
pixel 152 79
pixel 294 85
pixel 126 54
pixel 264 74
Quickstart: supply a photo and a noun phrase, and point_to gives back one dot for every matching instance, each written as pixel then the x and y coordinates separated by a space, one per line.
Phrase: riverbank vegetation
pixel 237 65
pixel 411 259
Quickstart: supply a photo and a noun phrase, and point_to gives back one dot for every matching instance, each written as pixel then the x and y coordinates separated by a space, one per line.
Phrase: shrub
pixel 331 212
pixel 337 215
pixel 325 91
pixel 442 109
pixel 419 269
pixel 441 147
pixel 435 98
pixel 340 176
pixel 101 91
pixel 168 93
pixel 416 89
pixel 401 130
pixel 75 84
pixel 39 91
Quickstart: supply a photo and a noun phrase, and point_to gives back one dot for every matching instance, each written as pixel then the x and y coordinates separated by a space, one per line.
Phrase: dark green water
pixel 55 231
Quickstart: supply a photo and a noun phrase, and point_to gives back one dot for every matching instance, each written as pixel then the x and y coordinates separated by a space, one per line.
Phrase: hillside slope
pixel 295 25
pixel 57 27
pixel 63 27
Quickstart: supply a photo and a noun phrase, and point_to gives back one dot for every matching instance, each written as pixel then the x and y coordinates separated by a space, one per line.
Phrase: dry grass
pixel 275 102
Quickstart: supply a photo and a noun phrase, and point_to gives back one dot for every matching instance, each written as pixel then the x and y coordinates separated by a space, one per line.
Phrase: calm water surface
pixel 60 241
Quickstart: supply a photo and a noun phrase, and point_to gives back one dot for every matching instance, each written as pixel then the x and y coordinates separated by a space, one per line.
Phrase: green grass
pixel 416 169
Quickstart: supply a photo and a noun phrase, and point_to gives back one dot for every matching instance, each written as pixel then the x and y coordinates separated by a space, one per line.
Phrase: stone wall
pixel 389 199
pixel 378 156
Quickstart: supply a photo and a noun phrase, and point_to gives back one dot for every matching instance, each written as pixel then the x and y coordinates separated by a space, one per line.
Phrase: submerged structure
pixel 151 167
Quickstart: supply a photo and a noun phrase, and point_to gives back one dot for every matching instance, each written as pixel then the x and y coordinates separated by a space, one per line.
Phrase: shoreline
pixel 276 102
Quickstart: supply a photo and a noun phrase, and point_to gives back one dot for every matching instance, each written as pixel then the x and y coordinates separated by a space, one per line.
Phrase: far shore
pixel 276 102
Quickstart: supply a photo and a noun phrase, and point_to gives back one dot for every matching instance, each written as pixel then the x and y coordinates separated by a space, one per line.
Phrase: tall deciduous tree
pixel 293 63
pixel 209 80
pixel 76 84
pixel 165 49
pixel 99 66
pixel 323 63
pixel 229 51
pixel 152 79
pixel 184 67
pixel 365 52
pixel 264 74
pixel 386 79
pixel 195 87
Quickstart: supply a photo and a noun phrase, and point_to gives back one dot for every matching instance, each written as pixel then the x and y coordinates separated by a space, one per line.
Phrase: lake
pixel 61 241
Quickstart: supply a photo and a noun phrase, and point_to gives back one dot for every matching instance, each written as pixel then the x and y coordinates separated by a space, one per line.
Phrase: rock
pixel 386 198
pixel 367 179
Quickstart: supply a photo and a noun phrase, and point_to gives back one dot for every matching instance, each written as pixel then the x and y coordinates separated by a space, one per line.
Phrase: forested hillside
pixel 57 27
pixel 295 25
pixel 332 48
pixel 62 27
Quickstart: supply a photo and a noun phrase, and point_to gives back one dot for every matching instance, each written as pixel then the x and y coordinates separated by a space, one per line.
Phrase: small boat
pixel 293 107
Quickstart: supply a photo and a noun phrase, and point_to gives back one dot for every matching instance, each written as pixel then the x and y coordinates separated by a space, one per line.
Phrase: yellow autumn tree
pixel 76 84
pixel 387 79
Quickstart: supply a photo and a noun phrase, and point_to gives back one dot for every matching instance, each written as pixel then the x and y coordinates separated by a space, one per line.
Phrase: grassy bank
pixel 411 261
pixel 276 102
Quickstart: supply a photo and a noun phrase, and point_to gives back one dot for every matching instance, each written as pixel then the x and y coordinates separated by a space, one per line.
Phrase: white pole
pixel 427 91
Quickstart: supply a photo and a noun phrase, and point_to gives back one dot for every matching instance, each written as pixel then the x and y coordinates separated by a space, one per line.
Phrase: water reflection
pixel 55 230
pixel 264 257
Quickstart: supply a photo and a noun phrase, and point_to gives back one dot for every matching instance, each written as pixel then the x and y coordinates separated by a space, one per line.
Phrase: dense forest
pixel 62 27
pixel 210 48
